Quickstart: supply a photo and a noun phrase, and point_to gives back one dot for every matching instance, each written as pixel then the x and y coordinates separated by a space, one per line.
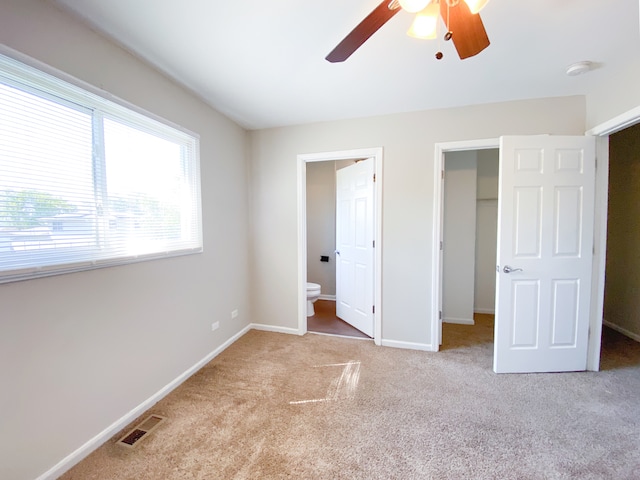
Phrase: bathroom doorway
pixel 316 239
pixel 340 246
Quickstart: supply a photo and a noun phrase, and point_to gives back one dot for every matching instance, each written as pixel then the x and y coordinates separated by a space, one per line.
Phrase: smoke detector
pixel 578 68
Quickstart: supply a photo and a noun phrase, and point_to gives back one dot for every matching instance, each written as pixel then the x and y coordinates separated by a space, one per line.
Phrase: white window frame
pixel 32 75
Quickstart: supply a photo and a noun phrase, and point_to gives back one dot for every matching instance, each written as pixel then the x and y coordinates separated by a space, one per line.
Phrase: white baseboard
pixel 271 328
pixel 427 347
pixel 81 453
pixel 331 298
pixel 489 311
pixel 459 321
pixel 624 331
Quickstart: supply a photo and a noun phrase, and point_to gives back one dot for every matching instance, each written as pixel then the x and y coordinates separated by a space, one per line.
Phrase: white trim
pixel 465 145
pixel 427 347
pixel 459 321
pixel 81 453
pixel 330 298
pixel 623 331
pixel 598 266
pixel 271 328
pixel 486 311
pixel 438 192
pixel 302 246
pixel 377 154
pixel 622 121
pixel 600 226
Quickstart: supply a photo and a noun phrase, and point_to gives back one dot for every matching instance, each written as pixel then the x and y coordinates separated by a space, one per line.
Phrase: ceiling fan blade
pixel 469 35
pixel 370 25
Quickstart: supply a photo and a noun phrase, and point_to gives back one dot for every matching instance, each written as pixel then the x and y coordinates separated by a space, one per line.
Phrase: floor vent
pixel 133 437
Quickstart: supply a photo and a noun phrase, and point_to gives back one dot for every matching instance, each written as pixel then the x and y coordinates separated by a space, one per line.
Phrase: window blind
pixel 86 182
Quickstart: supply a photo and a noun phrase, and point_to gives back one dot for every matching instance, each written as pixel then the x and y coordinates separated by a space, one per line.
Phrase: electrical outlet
pixel 234 313
pixel 214 326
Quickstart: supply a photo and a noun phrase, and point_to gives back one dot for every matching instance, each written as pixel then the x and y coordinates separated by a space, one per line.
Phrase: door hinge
pixel 374 177
pixel 440 244
pixel 443 174
pixel 373 309
pixel 374 244
pixel 440 315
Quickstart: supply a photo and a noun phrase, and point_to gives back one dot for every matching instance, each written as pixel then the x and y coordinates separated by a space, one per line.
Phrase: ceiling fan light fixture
pixel 476 5
pixel 413 6
pixel 425 25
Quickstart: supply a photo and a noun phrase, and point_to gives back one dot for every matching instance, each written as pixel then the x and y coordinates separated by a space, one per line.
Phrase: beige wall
pixel 407 206
pixel 80 351
pixel 622 284
pixel 617 91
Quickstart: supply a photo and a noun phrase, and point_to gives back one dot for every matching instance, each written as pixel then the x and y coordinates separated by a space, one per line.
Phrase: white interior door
pixel 354 245
pixel 544 255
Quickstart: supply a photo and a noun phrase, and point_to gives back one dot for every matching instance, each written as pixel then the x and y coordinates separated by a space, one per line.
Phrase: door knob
pixel 337 252
pixel 508 269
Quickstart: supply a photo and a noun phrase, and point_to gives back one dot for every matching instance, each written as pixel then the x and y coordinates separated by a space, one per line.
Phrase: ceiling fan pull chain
pixel 439 53
pixel 449 34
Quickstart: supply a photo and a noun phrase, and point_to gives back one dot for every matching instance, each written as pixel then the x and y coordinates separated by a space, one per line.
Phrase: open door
pixel 354 245
pixel 545 248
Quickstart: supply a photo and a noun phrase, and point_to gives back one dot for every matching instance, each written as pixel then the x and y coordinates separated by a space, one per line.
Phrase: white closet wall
pixel 486 231
pixel 459 233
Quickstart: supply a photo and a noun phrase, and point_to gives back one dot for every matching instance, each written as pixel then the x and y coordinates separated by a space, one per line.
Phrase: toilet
pixel 313 292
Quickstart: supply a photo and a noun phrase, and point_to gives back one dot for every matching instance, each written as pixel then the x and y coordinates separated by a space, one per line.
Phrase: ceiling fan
pixel 464 25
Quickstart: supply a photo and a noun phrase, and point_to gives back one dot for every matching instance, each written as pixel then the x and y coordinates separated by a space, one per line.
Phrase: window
pixel 86 182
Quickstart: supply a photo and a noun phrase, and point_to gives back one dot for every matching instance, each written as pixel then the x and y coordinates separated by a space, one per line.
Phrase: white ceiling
pixel 261 62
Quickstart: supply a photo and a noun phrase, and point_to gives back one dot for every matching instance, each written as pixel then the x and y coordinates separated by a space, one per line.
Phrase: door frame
pixel 601 132
pixel 438 217
pixel 302 159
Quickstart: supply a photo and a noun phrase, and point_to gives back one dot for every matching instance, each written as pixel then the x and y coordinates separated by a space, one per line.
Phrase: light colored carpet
pixel 275 406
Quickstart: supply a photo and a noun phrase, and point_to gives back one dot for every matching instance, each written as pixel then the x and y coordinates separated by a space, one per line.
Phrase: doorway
pixel 602 133
pixel 470 211
pixel 438 216
pixel 621 306
pixel 350 155
pixel 545 238
pixel 325 259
